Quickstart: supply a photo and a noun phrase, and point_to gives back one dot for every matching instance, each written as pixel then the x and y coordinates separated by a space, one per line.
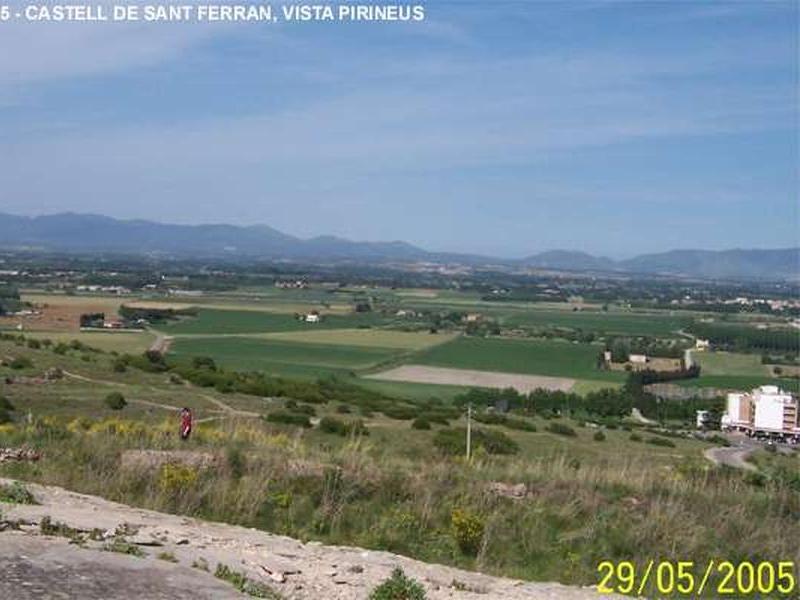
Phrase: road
pixel 734 456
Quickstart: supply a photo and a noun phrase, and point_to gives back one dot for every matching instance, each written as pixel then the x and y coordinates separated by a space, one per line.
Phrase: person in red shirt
pixel 186 423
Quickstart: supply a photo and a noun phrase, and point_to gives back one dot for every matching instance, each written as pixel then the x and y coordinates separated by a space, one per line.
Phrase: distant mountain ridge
pixel 95 233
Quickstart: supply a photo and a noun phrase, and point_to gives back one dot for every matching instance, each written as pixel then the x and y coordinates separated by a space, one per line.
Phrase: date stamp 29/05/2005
pixel 689 578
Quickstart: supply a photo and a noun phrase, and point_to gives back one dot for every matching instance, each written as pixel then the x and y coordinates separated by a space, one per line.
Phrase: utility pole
pixel 469 431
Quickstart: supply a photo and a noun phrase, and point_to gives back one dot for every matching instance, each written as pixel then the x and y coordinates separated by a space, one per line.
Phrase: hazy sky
pixel 501 127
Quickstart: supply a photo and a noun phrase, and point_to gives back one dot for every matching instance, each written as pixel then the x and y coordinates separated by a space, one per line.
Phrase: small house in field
pixel 638 359
pixel 701 345
pixel 312 317
pixel 473 317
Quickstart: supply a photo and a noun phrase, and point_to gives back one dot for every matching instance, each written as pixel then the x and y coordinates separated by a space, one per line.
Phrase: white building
pixel 637 359
pixel 765 411
pixel 701 345
pixel 312 318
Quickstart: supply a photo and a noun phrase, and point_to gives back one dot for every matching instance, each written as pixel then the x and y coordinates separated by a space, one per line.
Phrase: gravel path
pixel 37 566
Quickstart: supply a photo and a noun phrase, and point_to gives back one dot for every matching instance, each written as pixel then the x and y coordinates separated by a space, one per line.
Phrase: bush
pixel 339 427
pixel 401 413
pixel 561 429
pixel 332 425
pixel 5 416
pixel 453 442
pixel 718 439
pixel 467 530
pixel 398 587
pixel 21 362
pixel 175 477
pixel 343 409
pixel 5 404
pixel 438 417
pixel 420 423
pixel 288 418
pixel 599 436
pixel 635 437
pixel 16 493
pixel 115 401
pixel 658 441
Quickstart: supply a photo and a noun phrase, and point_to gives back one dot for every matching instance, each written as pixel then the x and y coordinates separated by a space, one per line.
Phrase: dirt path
pixel 32 563
pixel 734 456
pixel 162 343
pixel 228 410
pixel 637 415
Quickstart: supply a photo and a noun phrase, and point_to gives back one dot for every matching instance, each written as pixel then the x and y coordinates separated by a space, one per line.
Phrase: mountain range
pixel 82 233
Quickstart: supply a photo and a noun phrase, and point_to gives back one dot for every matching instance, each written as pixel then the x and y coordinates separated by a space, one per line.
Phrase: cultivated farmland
pixel 280 357
pixel 531 357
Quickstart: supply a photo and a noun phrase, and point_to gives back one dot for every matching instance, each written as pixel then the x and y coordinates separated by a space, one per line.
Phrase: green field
pixel 210 321
pixel 531 357
pixel 373 338
pixel 731 370
pixel 611 322
pixel 730 363
pixel 279 357
pixel 110 341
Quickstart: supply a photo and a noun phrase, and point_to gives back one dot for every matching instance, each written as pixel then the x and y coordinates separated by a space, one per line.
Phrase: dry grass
pixel 353 492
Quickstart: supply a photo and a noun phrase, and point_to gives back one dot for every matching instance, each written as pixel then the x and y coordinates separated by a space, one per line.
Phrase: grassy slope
pixel 589 501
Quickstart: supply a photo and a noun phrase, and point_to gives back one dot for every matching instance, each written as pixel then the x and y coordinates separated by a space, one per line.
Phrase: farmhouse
pixel 638 359
pixel 766 411
pixel 701 345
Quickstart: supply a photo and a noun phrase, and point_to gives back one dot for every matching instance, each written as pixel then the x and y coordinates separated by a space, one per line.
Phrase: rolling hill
pixel 70 232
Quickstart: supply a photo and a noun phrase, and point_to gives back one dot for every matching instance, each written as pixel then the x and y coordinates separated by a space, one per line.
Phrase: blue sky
pixel 497 127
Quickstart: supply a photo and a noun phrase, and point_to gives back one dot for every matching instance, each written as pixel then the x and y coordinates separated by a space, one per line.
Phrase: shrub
pixel 561 429
pixel 599 436
pixel 718 439
pixel 520 424
pixel 635 437
pixel 288 418
pixel 420 423
pixel 244 584
pixel 21 362
pixel 305 409
pixel 339 427
pixel 398 587
pixel 5 416
pixel 401 413
pixel 657 441
pixel 332 425
pixel 175 477
pixel 453 442
pixel 467 529
pixel 115 401
pixel 343 409
pixel 5 404
pixel 438 417
pixel 16 493
pixel 34 344
pixel 119 365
